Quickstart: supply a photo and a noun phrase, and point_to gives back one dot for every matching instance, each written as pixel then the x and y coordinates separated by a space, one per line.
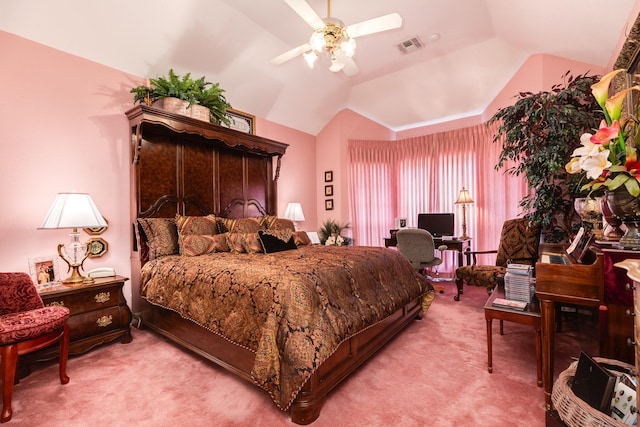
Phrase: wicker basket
pixel 573 410
pixel 179 106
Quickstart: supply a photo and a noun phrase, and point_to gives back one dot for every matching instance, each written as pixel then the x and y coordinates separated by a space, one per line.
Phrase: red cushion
pixel 17 293
pixel 26 325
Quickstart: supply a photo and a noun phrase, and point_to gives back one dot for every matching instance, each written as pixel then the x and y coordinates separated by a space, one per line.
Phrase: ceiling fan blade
pixel 291 54
pixel 302 8
pixel 375 25
pixel 350 67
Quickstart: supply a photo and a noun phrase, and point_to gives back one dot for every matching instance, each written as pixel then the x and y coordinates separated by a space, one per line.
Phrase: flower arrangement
pixel 331 234
pixel 609 156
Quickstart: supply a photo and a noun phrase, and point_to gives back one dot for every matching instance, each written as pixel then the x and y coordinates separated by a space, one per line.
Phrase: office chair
pixel 417 245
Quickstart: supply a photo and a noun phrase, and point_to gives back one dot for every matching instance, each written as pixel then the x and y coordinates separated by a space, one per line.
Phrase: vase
pixel 627 208
pixel 612 223
pixel 590 212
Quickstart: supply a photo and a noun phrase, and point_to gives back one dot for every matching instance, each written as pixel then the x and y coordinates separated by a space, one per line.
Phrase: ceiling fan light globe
pixel 317 41
pixel 310 57
pixel 348 46
pixel 336 65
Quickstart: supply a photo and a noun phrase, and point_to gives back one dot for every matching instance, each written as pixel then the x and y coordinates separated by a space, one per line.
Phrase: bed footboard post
pixel 306 408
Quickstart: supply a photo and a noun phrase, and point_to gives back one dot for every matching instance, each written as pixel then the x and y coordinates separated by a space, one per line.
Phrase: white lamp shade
pixel 73 210
pixel 294 212
pixel 464 197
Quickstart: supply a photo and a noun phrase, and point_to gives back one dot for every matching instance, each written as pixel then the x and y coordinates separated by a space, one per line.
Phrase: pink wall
pixel 298 170
pixel 64 129
pixel 332 155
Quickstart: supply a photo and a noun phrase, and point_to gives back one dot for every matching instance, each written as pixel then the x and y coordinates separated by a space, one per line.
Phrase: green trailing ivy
pixel 538 134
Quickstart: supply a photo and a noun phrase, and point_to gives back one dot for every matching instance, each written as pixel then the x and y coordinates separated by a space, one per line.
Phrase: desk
pixel 530 316
pixel 452 245
pixel 577 284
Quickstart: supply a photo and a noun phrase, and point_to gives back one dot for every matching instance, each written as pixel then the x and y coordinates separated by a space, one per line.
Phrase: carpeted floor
pixel 433 374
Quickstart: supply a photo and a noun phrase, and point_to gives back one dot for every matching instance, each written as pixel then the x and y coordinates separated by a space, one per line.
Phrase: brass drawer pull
pixel 104 321
pixel 102 297
pixel 56 304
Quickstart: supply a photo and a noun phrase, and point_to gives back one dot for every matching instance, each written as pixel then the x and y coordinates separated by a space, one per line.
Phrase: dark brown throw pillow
pixel 277 240
pixel 162 236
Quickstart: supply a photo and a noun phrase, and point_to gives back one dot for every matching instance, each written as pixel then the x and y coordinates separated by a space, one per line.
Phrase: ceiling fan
pixel 332 36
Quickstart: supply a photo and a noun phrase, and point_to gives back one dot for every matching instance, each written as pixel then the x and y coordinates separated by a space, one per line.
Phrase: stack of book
pixel 517 283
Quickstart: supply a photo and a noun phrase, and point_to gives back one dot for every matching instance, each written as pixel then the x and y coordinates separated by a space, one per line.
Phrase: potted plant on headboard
pixel 184 95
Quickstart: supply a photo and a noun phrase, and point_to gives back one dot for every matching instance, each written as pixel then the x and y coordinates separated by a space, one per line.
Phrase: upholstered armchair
pixel 519 242
pixel 26 325
pixel 418 246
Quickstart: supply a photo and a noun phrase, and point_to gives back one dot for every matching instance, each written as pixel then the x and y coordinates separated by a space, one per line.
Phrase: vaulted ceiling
pixel 472 48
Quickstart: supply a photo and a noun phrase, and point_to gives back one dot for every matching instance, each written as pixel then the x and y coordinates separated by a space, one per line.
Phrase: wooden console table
pixel 576 284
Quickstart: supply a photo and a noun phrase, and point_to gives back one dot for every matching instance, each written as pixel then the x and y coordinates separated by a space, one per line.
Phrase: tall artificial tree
pixel 538 135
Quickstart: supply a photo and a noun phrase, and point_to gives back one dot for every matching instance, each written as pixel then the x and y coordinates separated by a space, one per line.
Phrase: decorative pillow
pixel 200 244
pixel 277 240
pixel 162 236
pixel 235 242
pixel 301 238
pixel 242 225
pixel 251 243
pixel 275 223
pixel 188 225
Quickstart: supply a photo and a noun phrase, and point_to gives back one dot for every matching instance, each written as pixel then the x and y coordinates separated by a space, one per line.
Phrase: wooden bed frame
pixel 186 166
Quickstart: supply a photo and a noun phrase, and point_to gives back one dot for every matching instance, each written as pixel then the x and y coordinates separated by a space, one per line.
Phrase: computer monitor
pixel 438 224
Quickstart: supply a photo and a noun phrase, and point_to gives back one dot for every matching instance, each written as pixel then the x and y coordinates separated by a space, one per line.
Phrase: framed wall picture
pixel 328 204
pixel 328 176
pixel 96 230
pixel 240 121
pixel 97 247
pixel 328 190
pixel 44 270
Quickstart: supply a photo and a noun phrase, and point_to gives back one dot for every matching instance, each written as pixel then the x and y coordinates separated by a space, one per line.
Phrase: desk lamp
pixel 73 210
pixel 464 199
pixel 294 213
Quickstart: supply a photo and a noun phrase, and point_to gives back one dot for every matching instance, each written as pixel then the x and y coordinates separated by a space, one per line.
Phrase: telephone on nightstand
pixel 102 272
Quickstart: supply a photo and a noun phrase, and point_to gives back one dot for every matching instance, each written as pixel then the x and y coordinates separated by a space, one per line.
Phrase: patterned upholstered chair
pixel 519 242
pixel 418 246
pixel 26 325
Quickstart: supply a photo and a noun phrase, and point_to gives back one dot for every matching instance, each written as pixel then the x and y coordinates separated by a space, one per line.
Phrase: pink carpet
pixel 433 374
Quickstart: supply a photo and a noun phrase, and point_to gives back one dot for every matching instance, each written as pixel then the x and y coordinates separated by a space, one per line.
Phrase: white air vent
pixel 410 45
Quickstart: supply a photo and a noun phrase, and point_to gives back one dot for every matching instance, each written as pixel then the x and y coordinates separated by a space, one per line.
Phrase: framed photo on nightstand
pixel 44 270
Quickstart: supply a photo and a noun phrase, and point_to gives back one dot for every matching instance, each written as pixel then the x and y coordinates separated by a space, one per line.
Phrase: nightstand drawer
pixel 94 299
pixel 96 322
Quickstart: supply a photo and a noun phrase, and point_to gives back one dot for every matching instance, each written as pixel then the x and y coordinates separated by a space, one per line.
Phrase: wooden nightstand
pixel 99 314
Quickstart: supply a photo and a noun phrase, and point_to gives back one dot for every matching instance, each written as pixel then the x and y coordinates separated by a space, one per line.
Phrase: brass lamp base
pixel 76 279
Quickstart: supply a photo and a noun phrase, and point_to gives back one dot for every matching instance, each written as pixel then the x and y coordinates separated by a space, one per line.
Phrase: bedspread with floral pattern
pixel 291 308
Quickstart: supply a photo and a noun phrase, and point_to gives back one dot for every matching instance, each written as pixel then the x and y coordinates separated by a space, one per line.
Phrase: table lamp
pixel 294 213
pixel 73 210
pixel 464 199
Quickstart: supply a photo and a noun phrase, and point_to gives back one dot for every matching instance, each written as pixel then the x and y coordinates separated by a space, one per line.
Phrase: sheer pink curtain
pixel 403 178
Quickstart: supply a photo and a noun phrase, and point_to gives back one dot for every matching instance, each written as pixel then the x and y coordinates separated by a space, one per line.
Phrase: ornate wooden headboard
pixel 191 167
pixel 186 166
